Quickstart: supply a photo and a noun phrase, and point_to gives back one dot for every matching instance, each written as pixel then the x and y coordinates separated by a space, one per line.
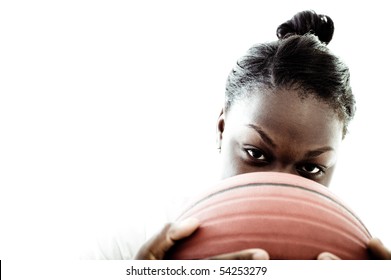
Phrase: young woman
pixel 287 107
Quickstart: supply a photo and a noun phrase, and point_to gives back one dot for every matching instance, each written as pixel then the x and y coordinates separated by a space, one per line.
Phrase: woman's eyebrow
pixel 263 135
pixel 318 152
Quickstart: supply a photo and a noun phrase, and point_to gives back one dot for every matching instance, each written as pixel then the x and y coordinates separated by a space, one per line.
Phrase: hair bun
pixel 308 22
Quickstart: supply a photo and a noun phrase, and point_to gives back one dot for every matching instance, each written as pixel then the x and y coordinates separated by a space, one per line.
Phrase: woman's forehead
pixel 288 112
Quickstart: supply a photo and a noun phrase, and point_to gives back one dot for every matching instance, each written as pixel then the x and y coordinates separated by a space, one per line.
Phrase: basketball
pixel 289 216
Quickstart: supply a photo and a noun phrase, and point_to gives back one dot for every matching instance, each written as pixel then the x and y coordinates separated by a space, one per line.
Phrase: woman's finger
pixel 378 250
pixel 327 256
pixel 249 254
pixel 157 246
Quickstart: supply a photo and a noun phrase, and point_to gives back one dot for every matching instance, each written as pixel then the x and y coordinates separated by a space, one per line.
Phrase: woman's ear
pixel 220 129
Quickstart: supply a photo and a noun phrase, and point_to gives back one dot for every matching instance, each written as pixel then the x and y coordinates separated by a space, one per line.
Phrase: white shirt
pixel 122 242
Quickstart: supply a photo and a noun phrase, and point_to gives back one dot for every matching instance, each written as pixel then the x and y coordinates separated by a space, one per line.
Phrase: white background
pixel 108 110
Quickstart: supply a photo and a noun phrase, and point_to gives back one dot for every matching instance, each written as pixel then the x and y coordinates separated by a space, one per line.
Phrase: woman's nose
pixel 285 169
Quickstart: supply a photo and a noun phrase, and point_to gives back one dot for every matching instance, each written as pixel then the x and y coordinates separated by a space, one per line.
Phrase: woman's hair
pixel 299 60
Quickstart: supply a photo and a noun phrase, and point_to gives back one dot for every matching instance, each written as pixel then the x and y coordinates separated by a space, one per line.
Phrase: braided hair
pixel 299 60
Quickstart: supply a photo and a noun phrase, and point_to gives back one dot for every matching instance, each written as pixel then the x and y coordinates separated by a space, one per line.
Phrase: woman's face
pixel 280 132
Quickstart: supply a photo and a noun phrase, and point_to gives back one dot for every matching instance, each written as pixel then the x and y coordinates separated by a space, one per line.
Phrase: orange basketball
pixel 288 216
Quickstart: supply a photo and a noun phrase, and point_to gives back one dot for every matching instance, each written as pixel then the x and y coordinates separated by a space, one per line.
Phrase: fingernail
pixel 327 256
pixel 260 255
pixel 183 228
pixel 186 223
pixel 378 240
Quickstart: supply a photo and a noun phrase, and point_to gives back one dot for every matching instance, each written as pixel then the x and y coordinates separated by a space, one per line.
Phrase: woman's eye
pixel 311 169
pixel 257 154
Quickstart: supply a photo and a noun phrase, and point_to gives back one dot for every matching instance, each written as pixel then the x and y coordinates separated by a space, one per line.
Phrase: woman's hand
pixel 376 248
pixel 157 246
